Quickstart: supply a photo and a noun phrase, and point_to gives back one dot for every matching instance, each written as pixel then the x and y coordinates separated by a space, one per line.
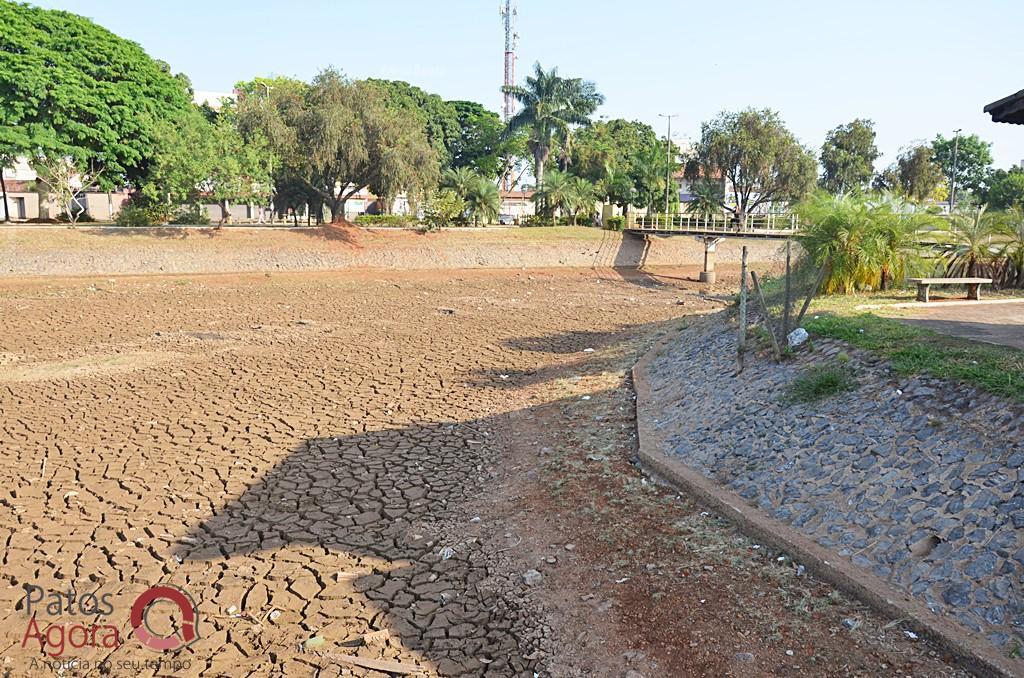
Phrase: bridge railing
pixel 686 223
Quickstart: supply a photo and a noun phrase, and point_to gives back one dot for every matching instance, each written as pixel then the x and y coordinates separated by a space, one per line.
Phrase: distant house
pixel 517 204
pixel 1008 109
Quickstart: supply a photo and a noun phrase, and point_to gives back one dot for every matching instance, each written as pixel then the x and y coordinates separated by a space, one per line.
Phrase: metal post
pixel 952 183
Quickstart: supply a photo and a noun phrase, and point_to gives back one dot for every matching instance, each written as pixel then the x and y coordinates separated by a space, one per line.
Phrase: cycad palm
pixel 581 198
pixel 555 193
pixel 460 179
pixel 838 233
pixel 549 106
pixel 483 202
pixel 970 241
pixel 1012 229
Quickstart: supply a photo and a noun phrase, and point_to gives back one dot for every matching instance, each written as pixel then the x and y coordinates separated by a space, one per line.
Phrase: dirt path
pixel 343 469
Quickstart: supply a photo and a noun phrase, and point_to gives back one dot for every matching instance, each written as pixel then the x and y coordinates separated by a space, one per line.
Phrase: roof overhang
pixel 1008 109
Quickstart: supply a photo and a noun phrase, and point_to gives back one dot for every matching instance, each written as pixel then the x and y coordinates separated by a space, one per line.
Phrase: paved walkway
pixel 993 323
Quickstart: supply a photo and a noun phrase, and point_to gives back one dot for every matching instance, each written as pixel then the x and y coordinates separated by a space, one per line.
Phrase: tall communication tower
pixel 508 15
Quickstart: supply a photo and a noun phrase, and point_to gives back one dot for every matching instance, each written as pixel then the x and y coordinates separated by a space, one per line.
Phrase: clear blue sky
pixel 915 67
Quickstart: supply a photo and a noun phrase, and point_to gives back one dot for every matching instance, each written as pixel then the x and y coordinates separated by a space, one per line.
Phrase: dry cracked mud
pixel 343 469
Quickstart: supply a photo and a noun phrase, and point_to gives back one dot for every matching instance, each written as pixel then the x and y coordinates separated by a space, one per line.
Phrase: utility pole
pixel 668 157
pixel 952 182
pixel 509 12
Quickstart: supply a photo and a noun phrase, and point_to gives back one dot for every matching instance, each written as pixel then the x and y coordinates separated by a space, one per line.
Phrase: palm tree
pixel 839 232
pixel 460 179
pixel 1012 229
pixel 483 202
pixel 707 198
pixel 970 245
pixel 554 194
pixel 581 197
pixel 549 106
pixel 897 227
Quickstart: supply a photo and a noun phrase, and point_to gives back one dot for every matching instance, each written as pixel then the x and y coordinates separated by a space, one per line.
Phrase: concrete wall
pixel 22 205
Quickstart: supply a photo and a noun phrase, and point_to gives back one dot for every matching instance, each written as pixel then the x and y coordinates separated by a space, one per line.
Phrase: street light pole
pixel 952 182
pixel 668 158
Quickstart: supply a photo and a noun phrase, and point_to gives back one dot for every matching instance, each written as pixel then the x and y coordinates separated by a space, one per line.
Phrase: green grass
pixel 910 349
pixel 916 350
pixel 819 382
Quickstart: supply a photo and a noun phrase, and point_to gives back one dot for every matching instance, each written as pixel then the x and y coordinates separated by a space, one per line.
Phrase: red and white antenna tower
pixel 508 15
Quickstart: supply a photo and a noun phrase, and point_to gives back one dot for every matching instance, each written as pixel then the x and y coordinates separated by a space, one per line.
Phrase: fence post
pixel 741 344
pixel 787 305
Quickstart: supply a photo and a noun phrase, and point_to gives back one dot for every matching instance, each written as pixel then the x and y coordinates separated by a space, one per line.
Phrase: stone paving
pixel 919 481
pixel 291 451
pixel 1001 323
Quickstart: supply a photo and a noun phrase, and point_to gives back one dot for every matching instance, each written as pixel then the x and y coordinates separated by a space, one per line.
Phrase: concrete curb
pixel 973 652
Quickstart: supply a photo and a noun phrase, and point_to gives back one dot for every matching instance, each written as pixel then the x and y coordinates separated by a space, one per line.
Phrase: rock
pixel 745 657
pixel 982 567
pixel 797 337
pixel 957 595
pixel 532 578
pixel 851 623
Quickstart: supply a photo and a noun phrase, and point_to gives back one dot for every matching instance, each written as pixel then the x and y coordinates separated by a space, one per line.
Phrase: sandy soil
pixel 343 468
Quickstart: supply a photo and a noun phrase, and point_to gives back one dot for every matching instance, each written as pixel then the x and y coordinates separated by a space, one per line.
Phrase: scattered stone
pixel 532 578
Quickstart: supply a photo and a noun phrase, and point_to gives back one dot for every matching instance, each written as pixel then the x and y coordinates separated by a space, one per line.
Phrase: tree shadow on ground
pixel 383 505
pixel 344 233
pixel 374 500
pixel 166 232
pixel 576 342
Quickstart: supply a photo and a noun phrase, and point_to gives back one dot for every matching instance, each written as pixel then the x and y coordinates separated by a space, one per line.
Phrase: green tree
pixel 439 118
pixel 848 156
pixel 914 174
pixel 482 201
pixel 339 137
pixel 1006 188
pixel 973 161
pixel 762 161
pixel 480 144
pixel 550 106
pixel 626 158
pixel 71 89
pixel 196 158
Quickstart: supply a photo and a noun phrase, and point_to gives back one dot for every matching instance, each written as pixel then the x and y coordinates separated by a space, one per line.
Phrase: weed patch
pixel 817 383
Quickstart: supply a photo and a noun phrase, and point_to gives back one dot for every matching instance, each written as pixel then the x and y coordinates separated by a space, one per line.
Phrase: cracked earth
pixel 350 474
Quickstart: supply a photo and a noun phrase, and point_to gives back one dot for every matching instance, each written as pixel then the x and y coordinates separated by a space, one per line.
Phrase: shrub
pixel 386 220
pixel 191 215
pixel 615 223
pixel 819 382
pixel 135 215
pixel 442 209
pixel 537 220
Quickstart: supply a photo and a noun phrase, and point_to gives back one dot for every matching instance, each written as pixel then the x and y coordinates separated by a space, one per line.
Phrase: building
pixel 518 204
pixel 1008 109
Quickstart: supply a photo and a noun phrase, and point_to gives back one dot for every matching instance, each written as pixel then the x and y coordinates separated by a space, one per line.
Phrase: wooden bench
pixel 973 286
